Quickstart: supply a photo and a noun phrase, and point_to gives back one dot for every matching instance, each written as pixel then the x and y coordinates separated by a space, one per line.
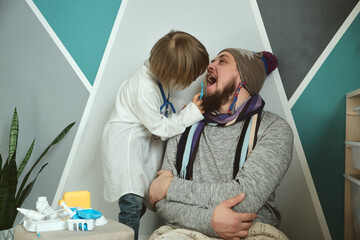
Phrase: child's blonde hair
pixel 178 57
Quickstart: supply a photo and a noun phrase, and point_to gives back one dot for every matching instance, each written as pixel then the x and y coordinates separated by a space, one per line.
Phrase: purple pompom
pixel 271 62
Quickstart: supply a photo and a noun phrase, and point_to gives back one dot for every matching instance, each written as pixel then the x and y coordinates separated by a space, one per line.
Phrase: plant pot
pixel 7 234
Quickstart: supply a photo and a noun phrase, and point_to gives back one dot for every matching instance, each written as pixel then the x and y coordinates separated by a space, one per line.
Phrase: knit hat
pixel 253 67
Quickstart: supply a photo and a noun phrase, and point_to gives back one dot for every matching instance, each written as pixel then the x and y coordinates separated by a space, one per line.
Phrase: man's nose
pixel 210 67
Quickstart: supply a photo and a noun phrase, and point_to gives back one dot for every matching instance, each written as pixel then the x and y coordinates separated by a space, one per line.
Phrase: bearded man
pixel 219 177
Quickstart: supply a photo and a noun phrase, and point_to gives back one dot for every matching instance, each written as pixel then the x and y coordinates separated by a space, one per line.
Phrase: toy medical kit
pixel 43 207
pixel 72 214
pixel 70 217
pixel 81 219
pixel 81 224
pixel 31 214
pixel 89 214
pixel 80 199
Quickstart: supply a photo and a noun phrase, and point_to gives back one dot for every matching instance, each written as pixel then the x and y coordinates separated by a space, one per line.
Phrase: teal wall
pixel 84 27
pixel 319 115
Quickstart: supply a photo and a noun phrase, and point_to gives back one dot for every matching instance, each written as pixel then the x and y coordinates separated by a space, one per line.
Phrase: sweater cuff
pixel 207 227
pixel 174 189
pixel 211 229
pixel 191 114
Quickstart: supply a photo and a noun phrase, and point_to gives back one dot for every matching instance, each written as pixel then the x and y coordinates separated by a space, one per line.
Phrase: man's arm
pixel 229 224
pixel 220 222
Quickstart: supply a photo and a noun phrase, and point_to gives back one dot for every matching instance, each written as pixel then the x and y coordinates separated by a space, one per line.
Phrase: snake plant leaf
pixel 4 193
pixel 2 172
pixel 8 185
pixel 14 131
pixel 24 194
pixel 10 197
pixel 1 167
pixel 26 159
pixel 55 141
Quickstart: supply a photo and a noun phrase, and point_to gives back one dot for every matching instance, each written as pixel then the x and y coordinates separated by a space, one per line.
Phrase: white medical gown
pixel 131 150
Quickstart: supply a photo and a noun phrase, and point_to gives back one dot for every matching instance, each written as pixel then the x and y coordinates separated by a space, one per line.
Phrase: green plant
pixel 10 197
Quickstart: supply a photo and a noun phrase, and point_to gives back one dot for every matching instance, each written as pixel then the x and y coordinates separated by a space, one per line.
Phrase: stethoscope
pixel 164 109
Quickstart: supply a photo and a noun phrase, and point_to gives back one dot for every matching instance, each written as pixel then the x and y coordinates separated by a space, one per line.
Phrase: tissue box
pixel 355 153
pixel 355 201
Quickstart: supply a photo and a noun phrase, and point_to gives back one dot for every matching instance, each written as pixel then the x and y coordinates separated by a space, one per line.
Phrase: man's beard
pixel 213 102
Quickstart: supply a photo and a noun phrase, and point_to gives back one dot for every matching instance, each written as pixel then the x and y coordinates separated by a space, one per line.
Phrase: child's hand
pixel 196 100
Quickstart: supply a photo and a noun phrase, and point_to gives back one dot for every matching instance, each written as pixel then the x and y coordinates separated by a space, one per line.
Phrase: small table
pixel 111 231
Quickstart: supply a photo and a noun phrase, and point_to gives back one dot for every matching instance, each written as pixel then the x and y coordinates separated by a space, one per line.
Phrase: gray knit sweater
pixel 190 204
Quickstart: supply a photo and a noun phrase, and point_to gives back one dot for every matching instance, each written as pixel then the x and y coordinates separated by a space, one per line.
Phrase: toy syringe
pixel 72 214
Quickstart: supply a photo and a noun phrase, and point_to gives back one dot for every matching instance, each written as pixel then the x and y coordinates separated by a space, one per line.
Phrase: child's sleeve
pixel 148 112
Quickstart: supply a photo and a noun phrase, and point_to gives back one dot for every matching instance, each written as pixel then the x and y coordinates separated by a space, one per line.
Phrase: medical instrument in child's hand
pixel 202 90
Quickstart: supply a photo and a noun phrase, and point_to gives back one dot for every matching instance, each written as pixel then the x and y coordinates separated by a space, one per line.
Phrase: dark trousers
pixel 131 210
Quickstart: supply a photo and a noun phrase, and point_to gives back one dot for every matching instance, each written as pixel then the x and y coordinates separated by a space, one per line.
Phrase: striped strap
pixel 187 151
pixel 252 133
pixel 245 147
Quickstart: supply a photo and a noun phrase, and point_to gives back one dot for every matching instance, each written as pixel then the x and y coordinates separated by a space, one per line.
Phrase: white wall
pixel 217 24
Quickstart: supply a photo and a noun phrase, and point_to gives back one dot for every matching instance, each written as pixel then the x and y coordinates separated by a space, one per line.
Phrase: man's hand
pixel 160 185
pixel 229 224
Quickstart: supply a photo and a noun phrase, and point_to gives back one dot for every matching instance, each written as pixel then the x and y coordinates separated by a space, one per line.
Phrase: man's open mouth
pixel 210 80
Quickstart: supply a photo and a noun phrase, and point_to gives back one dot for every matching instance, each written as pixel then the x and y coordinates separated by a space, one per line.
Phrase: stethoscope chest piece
pixel 165 109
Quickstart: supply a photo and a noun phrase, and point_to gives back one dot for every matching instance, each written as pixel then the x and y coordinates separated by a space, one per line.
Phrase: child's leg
pixel 131 210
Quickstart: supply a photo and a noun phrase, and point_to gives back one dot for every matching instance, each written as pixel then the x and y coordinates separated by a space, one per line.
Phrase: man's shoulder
pixel 270 120
pixel 270 116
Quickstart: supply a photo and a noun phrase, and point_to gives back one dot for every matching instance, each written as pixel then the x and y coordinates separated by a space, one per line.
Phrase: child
pixel 131 156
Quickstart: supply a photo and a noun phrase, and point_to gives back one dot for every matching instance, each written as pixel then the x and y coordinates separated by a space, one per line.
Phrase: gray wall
pixel 36 78
pixel 299 31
